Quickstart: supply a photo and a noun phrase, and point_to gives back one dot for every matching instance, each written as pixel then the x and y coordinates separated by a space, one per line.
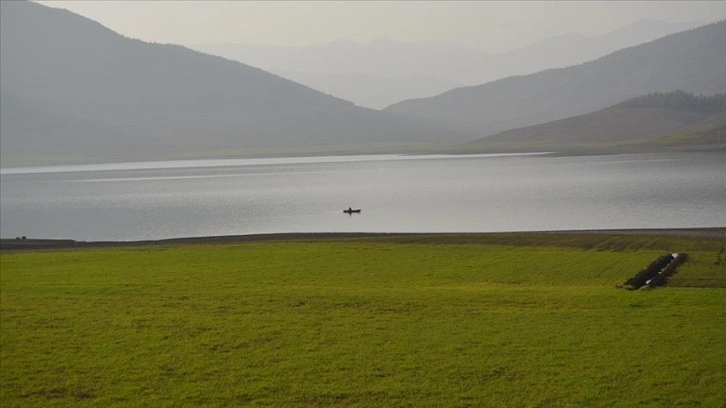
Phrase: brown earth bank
pixel 534 237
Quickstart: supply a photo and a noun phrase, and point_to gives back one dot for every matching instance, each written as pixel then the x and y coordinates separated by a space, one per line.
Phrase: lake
pixel 435 193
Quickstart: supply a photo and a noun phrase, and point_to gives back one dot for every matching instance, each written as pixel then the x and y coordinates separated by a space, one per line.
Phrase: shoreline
pixel 560 151
pixel 8 244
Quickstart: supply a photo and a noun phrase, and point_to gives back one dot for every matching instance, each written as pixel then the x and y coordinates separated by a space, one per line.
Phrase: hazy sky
pixel 491 26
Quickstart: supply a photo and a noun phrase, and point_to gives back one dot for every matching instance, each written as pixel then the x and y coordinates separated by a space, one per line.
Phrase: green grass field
pixel 473 320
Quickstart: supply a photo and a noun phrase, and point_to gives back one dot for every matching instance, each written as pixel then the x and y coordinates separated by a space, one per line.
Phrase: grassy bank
pixel 490 320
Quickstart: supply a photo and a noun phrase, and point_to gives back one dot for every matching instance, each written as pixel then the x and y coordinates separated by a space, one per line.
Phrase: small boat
pixel 351 211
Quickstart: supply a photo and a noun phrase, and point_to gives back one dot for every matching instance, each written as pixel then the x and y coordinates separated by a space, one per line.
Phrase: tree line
pixel 679 100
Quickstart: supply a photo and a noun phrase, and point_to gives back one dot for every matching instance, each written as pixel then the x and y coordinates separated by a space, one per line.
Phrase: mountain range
pixel 371 91
pixel 73 90
pixel 73 87
pixel 693 61
pixel 384 72
pixel 647 120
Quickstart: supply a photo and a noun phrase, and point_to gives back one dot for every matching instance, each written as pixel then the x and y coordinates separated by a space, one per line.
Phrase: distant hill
pixel 370 91
pixel 636 121
pixel 371 75
pixel 693 61
pixel 72 87
pixel 385 72
pixel 572 49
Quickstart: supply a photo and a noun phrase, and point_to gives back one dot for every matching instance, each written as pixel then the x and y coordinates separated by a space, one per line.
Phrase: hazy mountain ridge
pixel 399 64
pixel 572 49
pixel 371 91
pixel 635 120
pixel 693 61
pixel 72 86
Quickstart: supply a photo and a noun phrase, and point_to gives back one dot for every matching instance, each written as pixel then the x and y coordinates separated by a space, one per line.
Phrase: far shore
pixel 45 244
pixel 454 150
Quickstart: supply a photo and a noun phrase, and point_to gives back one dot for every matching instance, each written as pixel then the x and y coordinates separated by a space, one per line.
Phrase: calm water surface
pixel 133 201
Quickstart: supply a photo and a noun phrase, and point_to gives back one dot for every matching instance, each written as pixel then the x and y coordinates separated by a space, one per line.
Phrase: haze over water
pixel 136 201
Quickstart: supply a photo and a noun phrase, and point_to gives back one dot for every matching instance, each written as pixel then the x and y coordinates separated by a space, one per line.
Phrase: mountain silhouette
pixel 639 119
pixel 70 86
pixel 384 72
pixel 692 61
